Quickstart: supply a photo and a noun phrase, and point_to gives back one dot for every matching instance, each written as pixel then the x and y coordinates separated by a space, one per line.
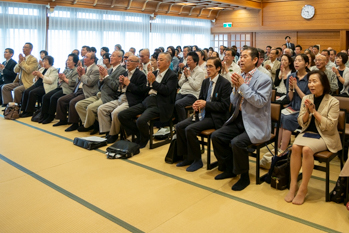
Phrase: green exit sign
pixel 227 25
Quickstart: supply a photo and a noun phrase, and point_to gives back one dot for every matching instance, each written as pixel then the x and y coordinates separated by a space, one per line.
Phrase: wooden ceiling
pixel 185 8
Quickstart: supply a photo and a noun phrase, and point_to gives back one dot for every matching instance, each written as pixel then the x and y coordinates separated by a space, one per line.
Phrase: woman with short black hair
pixel 318 118
pixel 342 73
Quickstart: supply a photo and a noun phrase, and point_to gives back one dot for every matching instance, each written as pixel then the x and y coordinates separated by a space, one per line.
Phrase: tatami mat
pixel 82 191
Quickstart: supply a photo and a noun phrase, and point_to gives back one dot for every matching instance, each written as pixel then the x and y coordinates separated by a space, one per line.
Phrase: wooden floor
pixel 49 185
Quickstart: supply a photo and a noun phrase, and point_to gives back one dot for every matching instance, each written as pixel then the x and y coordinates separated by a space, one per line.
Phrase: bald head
pixel 288 51
pixel 144 55
pixel 320 62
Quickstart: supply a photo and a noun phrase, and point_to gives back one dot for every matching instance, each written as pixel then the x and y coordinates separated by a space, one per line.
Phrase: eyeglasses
pixel 125 57
pixel 131 61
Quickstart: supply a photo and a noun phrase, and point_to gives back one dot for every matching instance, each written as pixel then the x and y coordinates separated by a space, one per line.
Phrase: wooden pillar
pixel 343 40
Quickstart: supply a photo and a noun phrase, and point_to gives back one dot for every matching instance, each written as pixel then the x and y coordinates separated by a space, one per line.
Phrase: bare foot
pixel 299 198
pixel 290 195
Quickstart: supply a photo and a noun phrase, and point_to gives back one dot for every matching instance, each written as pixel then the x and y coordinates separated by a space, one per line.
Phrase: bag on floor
pixel 338 194
pixel 11 111
pixel 280 178
pixel 122 149
pixel 172 156
pixel 90 143
pixel 37 115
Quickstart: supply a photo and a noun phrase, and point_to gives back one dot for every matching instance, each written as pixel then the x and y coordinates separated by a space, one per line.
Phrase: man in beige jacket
pixel 272 64
pixel 24 69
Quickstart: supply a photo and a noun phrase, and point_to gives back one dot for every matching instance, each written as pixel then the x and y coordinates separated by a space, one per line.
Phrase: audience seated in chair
pixel 229 67
pixel 131 90
pixel 7 75
pixel 318 117
pixel 211 111
pixel 160 97
pixel 342 73
pixel 249 123
pixel 108 90
pixel 67 82
pixel 25 67
pixel 320 62
pixel 46 80
pixel 190 84
pixel 286 68
pixel 87 86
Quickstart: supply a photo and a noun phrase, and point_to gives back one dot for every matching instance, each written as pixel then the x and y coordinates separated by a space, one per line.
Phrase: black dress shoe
pixel 83 129
pixel 73 127
pixel 43 117
pixel 26 114
pixel 95 128
pixel 48 119
pixel 4 105
pixel 112 138
pixel 61 123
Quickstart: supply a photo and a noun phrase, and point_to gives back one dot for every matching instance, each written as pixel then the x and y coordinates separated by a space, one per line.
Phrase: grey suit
pixel 109 86
pixel 90 80
pixel 72 79
pixel 87 108
pixel 250 125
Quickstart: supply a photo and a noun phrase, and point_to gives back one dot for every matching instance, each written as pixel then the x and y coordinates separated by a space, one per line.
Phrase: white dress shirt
pixel 158 79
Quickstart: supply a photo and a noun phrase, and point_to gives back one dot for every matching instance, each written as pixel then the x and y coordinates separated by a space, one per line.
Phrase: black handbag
pixel 89 144
pixel 122 150
pixel 172 156
pixel 339 194
pixel 280 178
pixel 37 115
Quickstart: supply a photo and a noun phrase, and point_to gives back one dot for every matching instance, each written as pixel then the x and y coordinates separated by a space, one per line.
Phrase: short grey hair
pixel 167 55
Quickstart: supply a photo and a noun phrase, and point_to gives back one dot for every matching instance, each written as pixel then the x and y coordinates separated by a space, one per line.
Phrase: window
pixel 228 40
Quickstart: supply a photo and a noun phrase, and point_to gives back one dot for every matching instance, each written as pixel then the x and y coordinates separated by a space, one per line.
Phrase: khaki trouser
pixel 87 110
pixel 108 115
pixel 17 88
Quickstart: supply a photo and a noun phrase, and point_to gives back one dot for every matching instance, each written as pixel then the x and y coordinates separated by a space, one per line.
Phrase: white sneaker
pixel 265 162
pixel 162 131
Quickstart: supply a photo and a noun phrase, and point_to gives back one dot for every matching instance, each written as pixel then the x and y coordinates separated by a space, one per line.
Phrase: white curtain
pixel 21 23
pixel 167 30
pixel 71 28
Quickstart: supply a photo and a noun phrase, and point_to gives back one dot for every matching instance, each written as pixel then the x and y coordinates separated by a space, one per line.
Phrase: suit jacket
pixel 73 77
pixel 8 74
pixel 109 86
pixel 166 94
pixel 134 93
pixel 50 78
pixel 255 107
pixel 218 107
pixel 90 81
pixel 292 47
pixel 25 69
pixel 275 67
pixel 327 128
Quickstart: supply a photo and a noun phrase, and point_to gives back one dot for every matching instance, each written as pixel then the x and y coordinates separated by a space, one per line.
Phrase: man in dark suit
pixel 132 85
pixel 159 102
pixel 212 105
pixel 289 44
pixel 7 75
pixel 86 87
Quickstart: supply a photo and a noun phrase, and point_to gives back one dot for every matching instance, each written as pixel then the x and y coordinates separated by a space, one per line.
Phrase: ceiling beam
pixel 95 3
pixel 180 11
pixel 129 4
pixel 144 5
pixel 157 7
pixel 209 13
pixel 113 3
pixel 169 8
pixel 75 1
pixel 191 10
pixel 201 11
pixel 242 3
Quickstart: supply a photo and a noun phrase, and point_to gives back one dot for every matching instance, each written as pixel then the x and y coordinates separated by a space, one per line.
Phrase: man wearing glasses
pixel 228 65
pixel 131 93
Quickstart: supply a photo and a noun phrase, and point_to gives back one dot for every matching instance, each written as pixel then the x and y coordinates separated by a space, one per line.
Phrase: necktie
pixel 208 99
pixel 235 113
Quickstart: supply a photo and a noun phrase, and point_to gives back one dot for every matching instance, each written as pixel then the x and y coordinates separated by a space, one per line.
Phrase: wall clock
pixel 308 11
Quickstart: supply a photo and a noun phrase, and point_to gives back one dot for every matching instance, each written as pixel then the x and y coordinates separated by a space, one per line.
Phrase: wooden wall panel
pixel 274 39
pixel 240 18
pixel 324 39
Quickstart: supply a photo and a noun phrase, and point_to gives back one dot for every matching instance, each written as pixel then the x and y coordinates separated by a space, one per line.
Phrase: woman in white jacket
pixel 45 81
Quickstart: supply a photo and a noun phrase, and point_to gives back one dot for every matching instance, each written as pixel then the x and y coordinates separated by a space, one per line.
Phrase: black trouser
pixel 68 102
pixel 230 146
pixel 187 142
pixel 49 101
pixel 148 110
pixel 183 101
pixel 30 96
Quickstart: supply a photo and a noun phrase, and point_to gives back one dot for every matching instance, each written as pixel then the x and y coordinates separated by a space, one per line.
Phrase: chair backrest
pixel 341 121
pixel 275 112
pixel 273 95
pixel 343 102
